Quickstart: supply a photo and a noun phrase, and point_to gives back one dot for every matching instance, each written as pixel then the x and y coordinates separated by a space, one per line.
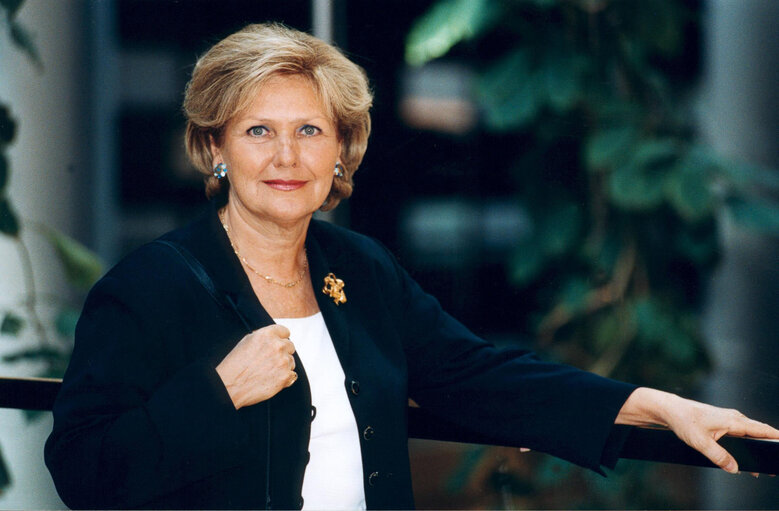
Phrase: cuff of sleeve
pixel 196 421
pixel 613 447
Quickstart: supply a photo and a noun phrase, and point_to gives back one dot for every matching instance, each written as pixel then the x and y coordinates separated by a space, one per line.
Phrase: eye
pixel 309 130
pixel 257 131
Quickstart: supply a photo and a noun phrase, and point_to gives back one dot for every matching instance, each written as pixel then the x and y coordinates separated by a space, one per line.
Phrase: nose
pixel 286 151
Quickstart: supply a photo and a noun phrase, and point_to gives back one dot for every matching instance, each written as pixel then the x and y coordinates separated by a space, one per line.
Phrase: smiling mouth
pixel 285 185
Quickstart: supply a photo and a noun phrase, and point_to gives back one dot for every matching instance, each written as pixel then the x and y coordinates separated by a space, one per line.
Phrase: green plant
pixel 51 332
pixel 626 202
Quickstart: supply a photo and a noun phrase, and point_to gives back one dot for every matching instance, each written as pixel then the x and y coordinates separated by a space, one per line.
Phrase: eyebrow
pixel 291 121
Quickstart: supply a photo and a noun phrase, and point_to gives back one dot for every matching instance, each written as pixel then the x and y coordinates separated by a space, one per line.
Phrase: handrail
pixel 649 444
pixel 28 393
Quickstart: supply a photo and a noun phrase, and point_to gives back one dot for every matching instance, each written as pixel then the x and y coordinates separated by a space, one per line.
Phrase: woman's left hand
pixel 699 425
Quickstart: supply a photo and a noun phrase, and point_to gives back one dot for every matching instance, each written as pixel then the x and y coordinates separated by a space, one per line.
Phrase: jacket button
pixel 300 504
pixel 355 386
pixel 368 433
pixel 373 478
pixel 313 413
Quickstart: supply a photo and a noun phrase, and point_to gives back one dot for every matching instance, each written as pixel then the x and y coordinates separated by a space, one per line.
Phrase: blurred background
pixel 592 179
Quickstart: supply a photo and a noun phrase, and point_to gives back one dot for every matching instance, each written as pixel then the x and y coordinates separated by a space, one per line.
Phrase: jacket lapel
pixel 322 262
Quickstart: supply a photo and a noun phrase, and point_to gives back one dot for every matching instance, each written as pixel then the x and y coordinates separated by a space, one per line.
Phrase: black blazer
pixel 143 420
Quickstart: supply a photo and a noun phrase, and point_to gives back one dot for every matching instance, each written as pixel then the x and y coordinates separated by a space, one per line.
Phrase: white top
pixel 333 478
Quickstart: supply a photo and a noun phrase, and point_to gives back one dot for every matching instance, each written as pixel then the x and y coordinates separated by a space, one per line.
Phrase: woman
pixel 259 358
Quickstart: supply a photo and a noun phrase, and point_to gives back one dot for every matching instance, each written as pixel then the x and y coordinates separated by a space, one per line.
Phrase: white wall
pixel 48 177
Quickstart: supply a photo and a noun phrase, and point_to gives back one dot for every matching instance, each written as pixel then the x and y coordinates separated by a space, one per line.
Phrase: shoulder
pixel 153 268
pixel 342 242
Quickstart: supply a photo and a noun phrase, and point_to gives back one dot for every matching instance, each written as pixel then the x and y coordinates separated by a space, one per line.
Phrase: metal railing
pixel 649 444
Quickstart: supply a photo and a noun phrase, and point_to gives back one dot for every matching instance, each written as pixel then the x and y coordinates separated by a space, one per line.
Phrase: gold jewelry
pixel 267 278
pixel 334 288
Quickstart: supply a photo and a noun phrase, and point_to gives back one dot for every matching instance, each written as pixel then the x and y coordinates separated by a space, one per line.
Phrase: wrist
pixel 231 391
pixel 648 407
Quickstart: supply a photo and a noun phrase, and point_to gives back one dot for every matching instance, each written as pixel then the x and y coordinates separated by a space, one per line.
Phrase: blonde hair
pixel 226 80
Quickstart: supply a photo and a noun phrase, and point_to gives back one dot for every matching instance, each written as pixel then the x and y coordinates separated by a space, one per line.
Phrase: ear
pixel 216 153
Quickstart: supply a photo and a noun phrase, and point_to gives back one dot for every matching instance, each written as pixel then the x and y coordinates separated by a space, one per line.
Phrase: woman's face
pixel 280 152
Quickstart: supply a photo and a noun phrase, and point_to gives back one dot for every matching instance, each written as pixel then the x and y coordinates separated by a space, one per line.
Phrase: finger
pixel 760 430
pixel 279 330
pixel 719 456
pixel 288 346
pixel 292 379
pixel 291 363
pixel 752 428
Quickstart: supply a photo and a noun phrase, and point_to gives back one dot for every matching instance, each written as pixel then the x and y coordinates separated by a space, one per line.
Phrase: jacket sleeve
pixel 127 427
pixel 507 395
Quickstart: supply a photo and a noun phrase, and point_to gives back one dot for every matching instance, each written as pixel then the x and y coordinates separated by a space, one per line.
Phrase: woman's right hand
pixel 260 366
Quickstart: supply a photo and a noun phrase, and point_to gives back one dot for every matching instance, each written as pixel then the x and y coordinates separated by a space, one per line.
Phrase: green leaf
pixel 47 355
pixel 12 324
pixel 610 327
pixel 654 323
pixel 609 148
pixel 508 92
pixel 526 262
pixel 65 322
pixel 22 38
pixel 688 189
pixel 663 327
pixel 574 294
pixel 11 6
pixel 560 76
pixel 9 224
pixel 447 23
pixel 7 126
pixel 656 153
pixel 680 347
pixel 559 230
pixel 634 190
pixel 3 172
pixel 699 247
pixel 56 367
pixel 756 214
pixel 603 252
pixel 5 475
pixel 82 266
pixel 661 25
pixel 31 416
pixel 639 185
pixel 748 176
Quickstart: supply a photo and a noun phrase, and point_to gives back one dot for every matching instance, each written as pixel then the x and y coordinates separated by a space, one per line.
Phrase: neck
pixel 268 247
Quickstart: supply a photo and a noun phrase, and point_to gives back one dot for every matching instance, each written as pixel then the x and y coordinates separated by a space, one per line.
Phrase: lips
pixel 284 185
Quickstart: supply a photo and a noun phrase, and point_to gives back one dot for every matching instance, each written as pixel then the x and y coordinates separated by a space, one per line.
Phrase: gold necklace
pixel 267 278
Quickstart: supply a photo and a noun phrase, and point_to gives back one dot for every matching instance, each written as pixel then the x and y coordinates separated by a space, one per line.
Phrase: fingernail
pixel 732 467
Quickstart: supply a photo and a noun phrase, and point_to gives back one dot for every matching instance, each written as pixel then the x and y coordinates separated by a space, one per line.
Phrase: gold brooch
pixel 334 288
